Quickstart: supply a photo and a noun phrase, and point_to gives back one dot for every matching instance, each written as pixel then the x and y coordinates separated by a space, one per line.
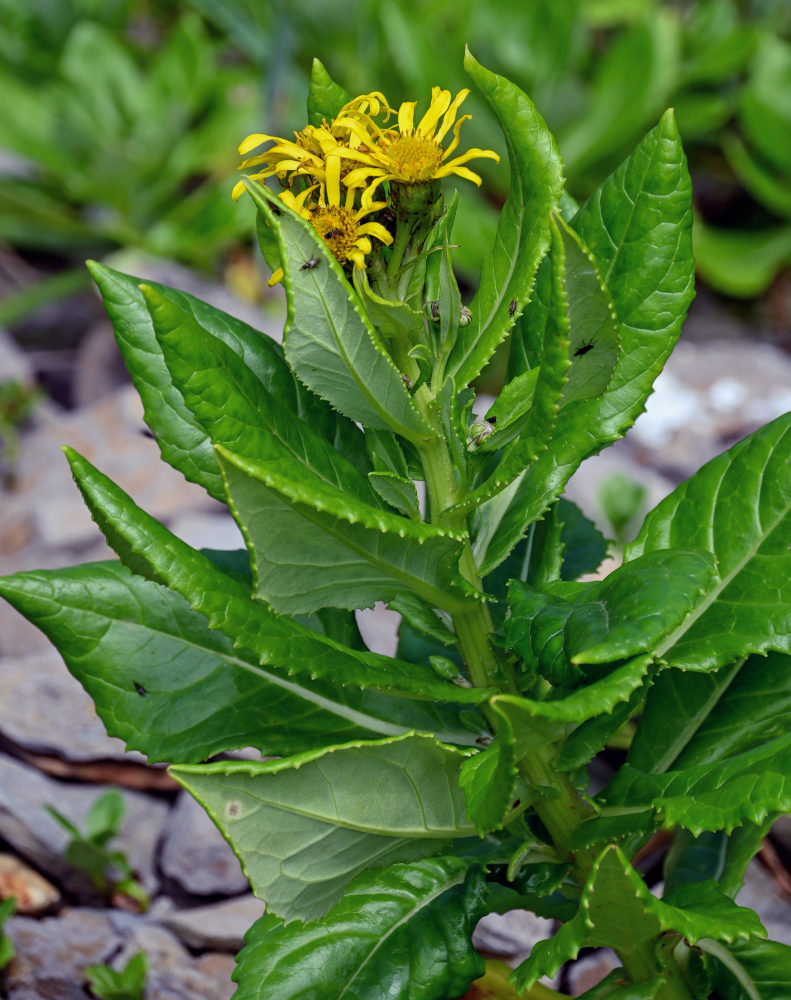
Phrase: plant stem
pixel 561 809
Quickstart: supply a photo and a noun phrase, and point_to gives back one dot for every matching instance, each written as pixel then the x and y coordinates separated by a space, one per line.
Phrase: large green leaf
pixel 638 228
pixel 625 614
pixel 714 855
pixel 138 650
pixel 736 507
pixel 329 342
pixel 182 441
pixel 226 603
pixel 304 826
pixel 313 546
pixel 751 970
pixel 743 788
pixel 522 236
pixel 251 412
pixel 693 718
pixel 404 933
pixel 618 910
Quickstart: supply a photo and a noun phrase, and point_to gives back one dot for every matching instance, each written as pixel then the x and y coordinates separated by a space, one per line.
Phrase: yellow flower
pixel 410 154
pixel 318 151
pixel 339 225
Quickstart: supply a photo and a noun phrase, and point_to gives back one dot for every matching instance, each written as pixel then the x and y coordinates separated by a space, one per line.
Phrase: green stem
pixel 561 809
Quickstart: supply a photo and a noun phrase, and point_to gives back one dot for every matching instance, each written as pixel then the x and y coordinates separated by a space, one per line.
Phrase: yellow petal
pixel 276 277
pixel 406 117
pixel 461 171
pixel 455 140
pixel 450 115
pixel 238 190
pixel 440 99
pixel 256 140
pixel 376 230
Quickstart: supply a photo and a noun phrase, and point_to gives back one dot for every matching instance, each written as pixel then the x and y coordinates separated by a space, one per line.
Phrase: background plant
pixel 89 852
pixel 128 983
pixel 450 780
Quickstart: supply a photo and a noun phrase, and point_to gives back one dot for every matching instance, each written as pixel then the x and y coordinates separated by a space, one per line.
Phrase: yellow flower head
pixel 339 225
pixel 410 154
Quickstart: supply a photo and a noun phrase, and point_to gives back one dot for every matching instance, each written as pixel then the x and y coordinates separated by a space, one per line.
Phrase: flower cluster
pixel 333 172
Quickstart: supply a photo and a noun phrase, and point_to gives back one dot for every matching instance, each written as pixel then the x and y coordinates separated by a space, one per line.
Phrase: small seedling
pixel 108 870
pixel 7 907
pixel 17 400
pixel 111 984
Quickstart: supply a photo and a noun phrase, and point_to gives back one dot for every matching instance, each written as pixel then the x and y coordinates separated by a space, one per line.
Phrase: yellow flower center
pixel 338 227
pixel 414 158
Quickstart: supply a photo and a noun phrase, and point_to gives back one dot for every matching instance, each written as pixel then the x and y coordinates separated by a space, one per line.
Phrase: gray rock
pixel 14 363
pixel 205 978
pixel 379 628
pixel 708 397
pixel 511 935
pixel 52 953
pixel 51 711
pixel 27 827
pixel 589 971
pixel 195 854
pixel 109 434
pixel 761 894
pixel 220 927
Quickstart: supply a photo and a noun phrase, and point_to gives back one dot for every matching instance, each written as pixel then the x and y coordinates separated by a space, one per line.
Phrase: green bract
pixel 404 790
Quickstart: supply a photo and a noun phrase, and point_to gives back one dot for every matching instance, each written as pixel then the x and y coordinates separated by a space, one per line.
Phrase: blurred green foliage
pixel 126 114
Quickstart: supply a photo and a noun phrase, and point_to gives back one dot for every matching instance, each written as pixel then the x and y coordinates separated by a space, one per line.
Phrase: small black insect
pixel 512 307
pixel 334 233
pixel 310 263
pixel 275 210
pixel 140 689
pixel 583 349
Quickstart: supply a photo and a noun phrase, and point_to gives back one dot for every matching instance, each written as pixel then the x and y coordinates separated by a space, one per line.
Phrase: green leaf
pixel 764 108
pixel 769 188
pixel 523 235
pixel 536 427
pixel 751 970
pixel 123 984
pixel 101 617
pixel 638 228
pixel 647 56
pixel 714 855
pixel 254 413
pixel 182 441
pixel 366 804
pixel 593 324
pixel 325 97
pixel 612 987
pixel 402 933
pixel 329 342
pixel 625 614
pixel 741 262
pixel 488 779
pixel 743 788
pixel 424 618
pixel 618 910
pixel 712 715
pixel 228 606
pixel 313 546
pixel 397 491
pixel 585 702
pixel 736 507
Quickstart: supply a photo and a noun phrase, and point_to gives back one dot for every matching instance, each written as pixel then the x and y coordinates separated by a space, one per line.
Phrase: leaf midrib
pixel 710 599
pixel 420 905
